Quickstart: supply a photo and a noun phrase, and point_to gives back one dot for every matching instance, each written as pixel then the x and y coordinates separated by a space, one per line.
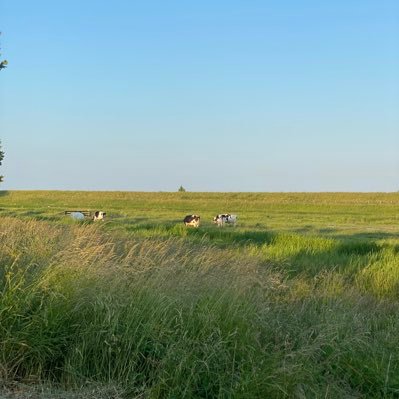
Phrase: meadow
pixel 300 300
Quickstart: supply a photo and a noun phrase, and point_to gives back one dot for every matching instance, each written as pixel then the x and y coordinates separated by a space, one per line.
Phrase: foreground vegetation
pixel 300 301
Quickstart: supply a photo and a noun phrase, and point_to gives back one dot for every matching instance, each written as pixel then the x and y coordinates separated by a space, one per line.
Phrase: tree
pixel 1 158
pixel 181 189
pixel 3 64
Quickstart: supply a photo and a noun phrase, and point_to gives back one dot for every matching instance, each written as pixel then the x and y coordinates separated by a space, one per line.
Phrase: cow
pixel 99 215
pixel 221 219
pixel 192 220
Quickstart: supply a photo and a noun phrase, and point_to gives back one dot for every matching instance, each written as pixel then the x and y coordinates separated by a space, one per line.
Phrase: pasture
pixel 299 300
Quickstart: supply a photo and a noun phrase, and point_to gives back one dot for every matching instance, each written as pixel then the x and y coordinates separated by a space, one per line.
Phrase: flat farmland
pixel 300 299
pixel 302 212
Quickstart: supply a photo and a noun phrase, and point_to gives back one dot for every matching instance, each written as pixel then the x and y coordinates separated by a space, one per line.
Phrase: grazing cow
pixel 221 219
pixel 76 215
pixel 192 220
pixel 99 215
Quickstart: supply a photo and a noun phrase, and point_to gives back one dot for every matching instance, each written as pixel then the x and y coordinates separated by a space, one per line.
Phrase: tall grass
pixel 166 316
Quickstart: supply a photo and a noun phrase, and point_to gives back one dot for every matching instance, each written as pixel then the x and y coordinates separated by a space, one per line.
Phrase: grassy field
pixel 300 300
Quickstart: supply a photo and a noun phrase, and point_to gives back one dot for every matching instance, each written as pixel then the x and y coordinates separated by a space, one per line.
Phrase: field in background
pixel 294 212
pixel 301 299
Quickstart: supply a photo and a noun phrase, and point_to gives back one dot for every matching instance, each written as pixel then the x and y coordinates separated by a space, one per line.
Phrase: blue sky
pixel 213 95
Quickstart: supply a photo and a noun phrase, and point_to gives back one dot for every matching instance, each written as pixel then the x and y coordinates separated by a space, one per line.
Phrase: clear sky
pixel 256 95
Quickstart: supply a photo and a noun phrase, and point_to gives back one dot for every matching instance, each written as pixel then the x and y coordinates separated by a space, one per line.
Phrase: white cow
pixel 224 218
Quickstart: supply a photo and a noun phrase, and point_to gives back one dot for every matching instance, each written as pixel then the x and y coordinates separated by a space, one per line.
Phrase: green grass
pixel 300 300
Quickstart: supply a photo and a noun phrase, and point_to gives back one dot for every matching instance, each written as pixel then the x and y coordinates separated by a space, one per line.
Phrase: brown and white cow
pixel 192 220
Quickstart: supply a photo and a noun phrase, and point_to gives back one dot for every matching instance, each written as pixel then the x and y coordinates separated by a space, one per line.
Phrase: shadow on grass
pixel 375 235
pixel 4 193
pixel 345 256
pixel 335 233
pixel 358 248
pixel 232 236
